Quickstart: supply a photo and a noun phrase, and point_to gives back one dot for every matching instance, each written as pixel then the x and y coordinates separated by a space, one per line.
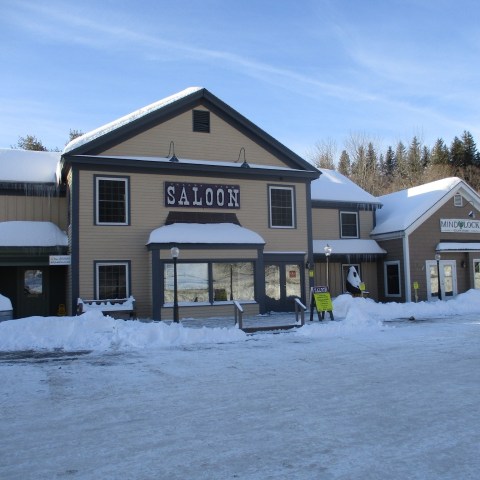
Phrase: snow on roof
pixel 349 246
pixel 458 247
pixel 332 186
pixel 31 234
pixel 125 120
pixel 28 166
pixel 401 209
pixel 204 233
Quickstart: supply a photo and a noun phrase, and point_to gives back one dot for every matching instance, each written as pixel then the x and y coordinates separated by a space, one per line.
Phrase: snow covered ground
pixel 371 395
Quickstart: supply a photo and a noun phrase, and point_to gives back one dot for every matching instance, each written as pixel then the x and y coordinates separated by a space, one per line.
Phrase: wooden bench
pixel 122 308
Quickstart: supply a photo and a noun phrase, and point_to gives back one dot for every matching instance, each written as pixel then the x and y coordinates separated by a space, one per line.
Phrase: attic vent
pixel 458 201
pixel 201 121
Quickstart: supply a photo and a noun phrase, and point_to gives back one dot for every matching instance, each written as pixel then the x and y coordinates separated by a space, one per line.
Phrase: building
pixel 188 172
pixel 432 237
pixel 343 215
pixel 33 240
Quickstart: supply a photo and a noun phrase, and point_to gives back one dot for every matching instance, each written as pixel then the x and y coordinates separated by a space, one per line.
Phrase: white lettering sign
pixel 60 260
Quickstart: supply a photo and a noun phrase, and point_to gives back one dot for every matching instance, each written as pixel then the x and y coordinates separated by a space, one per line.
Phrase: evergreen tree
pixel 440 154
pixel 471 156
pixel 344 166
pixel 30 142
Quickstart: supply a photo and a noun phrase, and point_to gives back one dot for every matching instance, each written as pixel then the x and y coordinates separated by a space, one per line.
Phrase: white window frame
pixel 100 263
pixel 458 200
pixel 281 187
pixel 385 278
pixel 341 224
pixel 125 180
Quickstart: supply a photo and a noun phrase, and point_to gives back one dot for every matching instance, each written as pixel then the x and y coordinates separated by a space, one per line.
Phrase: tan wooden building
pixel 192 173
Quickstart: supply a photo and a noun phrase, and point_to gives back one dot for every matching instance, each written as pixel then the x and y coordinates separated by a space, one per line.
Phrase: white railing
pixel 300 309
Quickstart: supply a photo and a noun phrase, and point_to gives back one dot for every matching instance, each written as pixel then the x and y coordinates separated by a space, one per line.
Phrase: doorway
pixel 32 292
pixel 448 279
pixel 283 282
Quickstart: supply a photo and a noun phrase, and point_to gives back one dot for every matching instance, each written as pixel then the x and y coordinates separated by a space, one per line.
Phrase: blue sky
pixel 306 71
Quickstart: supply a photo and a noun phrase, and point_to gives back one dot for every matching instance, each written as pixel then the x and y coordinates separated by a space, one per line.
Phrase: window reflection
pixel 33 282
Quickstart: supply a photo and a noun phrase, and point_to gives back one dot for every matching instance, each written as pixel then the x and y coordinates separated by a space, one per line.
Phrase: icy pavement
pixel 321 402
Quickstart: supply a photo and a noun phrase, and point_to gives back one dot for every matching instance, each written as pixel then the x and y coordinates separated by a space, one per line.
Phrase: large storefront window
pixel 233 281
pixel 192 282
pixel 229 281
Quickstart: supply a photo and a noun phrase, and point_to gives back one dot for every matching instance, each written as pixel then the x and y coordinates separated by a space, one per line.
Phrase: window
pixel 458 201
pixel 233 281
pixel 282 213
pixel 33 283
pixel 392 279
pixel 349 224
pixel 111 201
pixel 192 282
pixel 226 282
pixel 201 121
pixel 112 280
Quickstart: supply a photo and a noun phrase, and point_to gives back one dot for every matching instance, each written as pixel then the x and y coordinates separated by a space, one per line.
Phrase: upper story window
pixel 111 201
pixel 201 121
pixel 282 207
pixel 348 224
pixel 458 201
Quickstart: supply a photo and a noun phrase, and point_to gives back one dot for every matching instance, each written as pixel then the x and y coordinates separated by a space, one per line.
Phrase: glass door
pixel 441 284
pixel 283 282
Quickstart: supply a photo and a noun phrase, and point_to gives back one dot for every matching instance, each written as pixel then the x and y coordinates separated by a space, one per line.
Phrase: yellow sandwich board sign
pixel 321 300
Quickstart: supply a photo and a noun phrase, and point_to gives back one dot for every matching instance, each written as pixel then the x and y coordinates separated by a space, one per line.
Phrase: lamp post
pixel 328 251
pixel 437 258
pixel 175 252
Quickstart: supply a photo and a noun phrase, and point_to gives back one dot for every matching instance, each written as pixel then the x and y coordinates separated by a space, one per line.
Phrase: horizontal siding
pixel 38 209
pixel 325 222
pixel 148 213
pixel 365 218
pixel 223 143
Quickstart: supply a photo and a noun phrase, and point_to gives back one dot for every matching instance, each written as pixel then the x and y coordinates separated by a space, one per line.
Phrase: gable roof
pixel 404 210
pixel 169 106
pixel 28 166
pixel 334 187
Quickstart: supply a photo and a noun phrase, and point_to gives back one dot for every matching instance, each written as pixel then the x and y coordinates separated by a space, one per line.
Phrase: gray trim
pixel 340 222
pixel 260 281
pixel 132 165
pixel 157 285
pixel 308 202
pixel 335 205
pixel 32 189
pixel 75 235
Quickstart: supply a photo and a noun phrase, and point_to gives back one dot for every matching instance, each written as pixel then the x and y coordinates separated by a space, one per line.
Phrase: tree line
pixel 403 166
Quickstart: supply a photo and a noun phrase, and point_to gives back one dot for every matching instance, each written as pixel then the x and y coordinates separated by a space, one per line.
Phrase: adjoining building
pixel 343 215
pixel 33 239
pixel 432 237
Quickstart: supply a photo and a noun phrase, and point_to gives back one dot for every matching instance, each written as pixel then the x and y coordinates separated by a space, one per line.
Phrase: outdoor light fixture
pixel 328 251
pixel 175 252
pixel 171 155
pixel 244 164
pixel 437 258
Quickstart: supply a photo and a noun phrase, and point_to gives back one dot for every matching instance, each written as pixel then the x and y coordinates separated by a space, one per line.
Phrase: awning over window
pixel 458 247
pixel 31 234
pixel 354 246
pixel 208 233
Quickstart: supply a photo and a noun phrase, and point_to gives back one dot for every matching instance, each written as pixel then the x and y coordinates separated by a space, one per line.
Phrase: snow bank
pixel 93 331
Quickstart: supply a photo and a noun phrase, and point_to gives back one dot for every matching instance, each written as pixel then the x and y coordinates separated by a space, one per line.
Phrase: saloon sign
pixel 457 225
pixel 201 195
